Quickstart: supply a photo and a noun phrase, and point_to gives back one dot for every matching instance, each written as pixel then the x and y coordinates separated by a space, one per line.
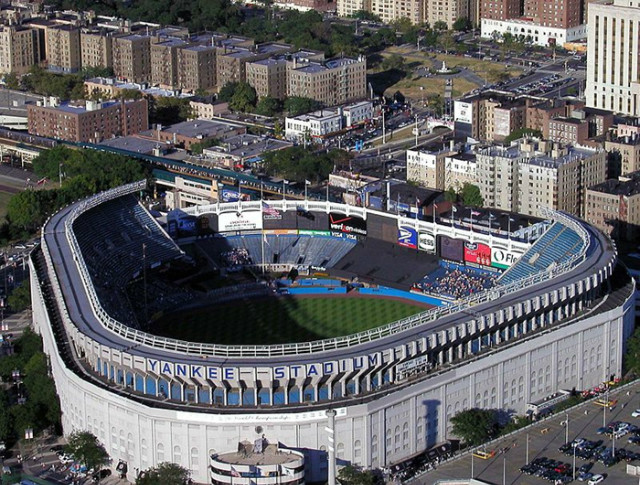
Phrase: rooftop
pixel 198 128
pixel 133 143
pixel 625 187
pixel 271 456
pixel 246 146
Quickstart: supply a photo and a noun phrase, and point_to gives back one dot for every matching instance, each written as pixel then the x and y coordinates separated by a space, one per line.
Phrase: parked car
pixel 596 479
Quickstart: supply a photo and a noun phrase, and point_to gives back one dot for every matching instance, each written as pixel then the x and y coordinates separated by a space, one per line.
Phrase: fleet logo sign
pixel 347 224
pixel 502 258
pixel 239 221
pixel 408 237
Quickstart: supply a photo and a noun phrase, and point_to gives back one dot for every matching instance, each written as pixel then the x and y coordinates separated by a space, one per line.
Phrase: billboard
pixel 426 242
pixel 347 224
pixel 462 112
pixel 503 258
pixel 407 237
pixel 239 221
pixel 451 249
pixel 477 253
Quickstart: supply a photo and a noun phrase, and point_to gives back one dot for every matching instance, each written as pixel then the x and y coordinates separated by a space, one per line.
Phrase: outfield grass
pixel 283 319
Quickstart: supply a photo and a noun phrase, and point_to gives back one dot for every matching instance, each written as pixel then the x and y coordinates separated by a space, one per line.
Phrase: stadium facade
pixel 557 319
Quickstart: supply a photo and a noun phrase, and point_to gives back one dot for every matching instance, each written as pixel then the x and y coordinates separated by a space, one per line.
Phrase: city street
pixel 544 439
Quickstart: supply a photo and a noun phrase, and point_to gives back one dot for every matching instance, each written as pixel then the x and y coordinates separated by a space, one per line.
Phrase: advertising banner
pixel 239 221
pixel 427 242
pixel 347 224
pixel 477 253
pixel 503 258
pixel 407 237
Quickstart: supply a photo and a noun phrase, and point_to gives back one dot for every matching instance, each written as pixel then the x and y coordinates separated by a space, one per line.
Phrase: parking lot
pixel 541 443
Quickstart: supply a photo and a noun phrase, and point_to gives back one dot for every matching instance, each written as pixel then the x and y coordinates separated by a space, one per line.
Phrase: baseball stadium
pixel 326 333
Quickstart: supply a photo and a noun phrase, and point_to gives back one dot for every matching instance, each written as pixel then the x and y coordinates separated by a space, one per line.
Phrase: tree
pixel 208 142
pixel 268 106
pixel 244 98
pixel 447 41
pixel 164 474
pixel 522 132
pixel 440 25
pixel 86 448
pixel 631 359
pixel 226 92
pixel 451 195
pixel 470 195
pixel 297 105
pixel 20 297
pixel 475 426
pixel 365 15
pixel 129 94
pixel 351 475
pixel 394 61
pixel 11 81
pixel 462 24
pixel 167 111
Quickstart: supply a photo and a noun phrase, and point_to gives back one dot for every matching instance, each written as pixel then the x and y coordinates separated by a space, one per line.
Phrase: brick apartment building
pixel 613 207
pixel 19 49
pixel 333 82
pixel 132 58
pixel 63 49
pixel 197 67
pixel 164 62
pixel 89 121
pixel 96 48
pixel 231 61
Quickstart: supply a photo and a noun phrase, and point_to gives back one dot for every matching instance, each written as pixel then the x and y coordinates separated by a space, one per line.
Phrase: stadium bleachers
pixel 555 247
pixel 115 238
pixel 284 249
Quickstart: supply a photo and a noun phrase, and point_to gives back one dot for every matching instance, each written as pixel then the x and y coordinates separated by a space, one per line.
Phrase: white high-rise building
pixel 613 55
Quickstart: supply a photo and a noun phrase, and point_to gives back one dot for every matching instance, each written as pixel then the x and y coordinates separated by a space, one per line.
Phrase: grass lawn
pixel 410 85
pixel 4 202
pixel 283 319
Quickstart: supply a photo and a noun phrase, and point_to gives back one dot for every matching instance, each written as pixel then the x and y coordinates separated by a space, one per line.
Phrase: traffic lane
pixel 546 444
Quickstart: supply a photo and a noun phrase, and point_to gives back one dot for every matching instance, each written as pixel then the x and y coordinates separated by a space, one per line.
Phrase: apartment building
pixel 19 49
pixel 132 58
pixel 532 174
pixel 164 63
pixel 390 10
pixel 627 150
pixel 346 8
pixel 268 77
pixel 499 9
pixel 613 207
pixel 197 67
pixel 96 48
pixel 613 59
pixel 88 121
pixel 63 49
pixel 333 82
pixel 448 11
pixel 231 61
pixel 562 14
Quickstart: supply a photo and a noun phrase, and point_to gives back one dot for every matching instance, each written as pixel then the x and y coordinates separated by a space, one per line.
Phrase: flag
pixel 306 182
pixel 264 238
pixel 267 209
pixel 42 181
pixel 475 213
pixel 453 208
pixel 491 216
pixel 234 472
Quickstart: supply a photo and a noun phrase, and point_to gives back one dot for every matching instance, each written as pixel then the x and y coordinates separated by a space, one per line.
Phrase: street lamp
pixel 574 462
pixel 567 425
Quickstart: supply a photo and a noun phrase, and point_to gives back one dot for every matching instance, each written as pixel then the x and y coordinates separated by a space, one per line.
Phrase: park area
pixel 410 76
pixel 283 319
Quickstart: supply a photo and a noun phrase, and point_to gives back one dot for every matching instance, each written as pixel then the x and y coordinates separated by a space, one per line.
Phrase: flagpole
pixel 509 227
pixel 262 240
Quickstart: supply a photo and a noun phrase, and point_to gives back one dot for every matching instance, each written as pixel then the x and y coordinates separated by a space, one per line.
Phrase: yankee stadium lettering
pixel 175 369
